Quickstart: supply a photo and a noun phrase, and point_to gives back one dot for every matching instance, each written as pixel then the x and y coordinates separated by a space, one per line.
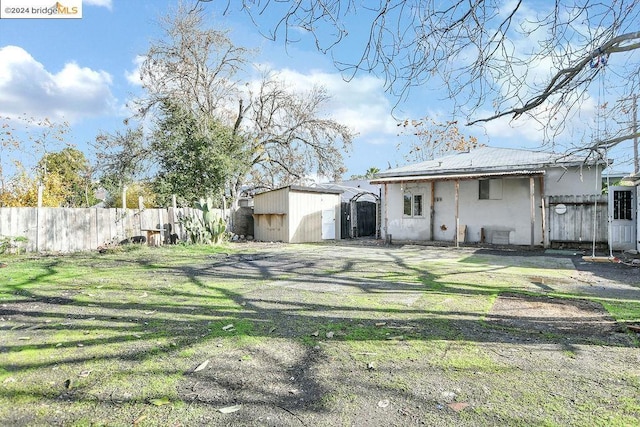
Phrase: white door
pixel 637 210
pixel 622 217
pixel 328 224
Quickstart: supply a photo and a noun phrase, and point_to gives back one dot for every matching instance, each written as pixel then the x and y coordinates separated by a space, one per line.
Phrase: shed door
pixel 622 214
pixel 328 224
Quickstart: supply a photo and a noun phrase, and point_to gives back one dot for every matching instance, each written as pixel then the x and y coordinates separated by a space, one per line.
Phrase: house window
pixel 412 204
pixel 484 189
pixel 490 189
pixel 622 208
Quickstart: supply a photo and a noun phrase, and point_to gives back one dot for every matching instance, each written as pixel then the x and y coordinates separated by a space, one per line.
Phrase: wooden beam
pixel 432 213
pixel 386 213
pixel 543 209
pixel 532 195
pixel 457 185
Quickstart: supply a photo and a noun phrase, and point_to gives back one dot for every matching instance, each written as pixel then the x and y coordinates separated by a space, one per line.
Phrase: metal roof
pixel 302 189
pixel 353 188
pixel 444 177
pixel 487 159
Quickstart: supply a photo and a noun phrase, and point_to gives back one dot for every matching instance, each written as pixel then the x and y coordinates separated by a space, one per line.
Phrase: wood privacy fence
pixel 575 219
pixel 82 229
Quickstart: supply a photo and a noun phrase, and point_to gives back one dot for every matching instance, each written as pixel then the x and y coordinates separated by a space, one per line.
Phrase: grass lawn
pixel 313 335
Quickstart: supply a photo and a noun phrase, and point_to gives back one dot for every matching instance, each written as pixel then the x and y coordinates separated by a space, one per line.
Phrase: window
pixel 412 204
pixel 490 189
pixel 622 208
pixel 484 189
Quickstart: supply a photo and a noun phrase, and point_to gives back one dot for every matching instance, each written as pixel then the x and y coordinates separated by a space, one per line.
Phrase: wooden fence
pixel 575 219
pixel 570 219
pixel 82 229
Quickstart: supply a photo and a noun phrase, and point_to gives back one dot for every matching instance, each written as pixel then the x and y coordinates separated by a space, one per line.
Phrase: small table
pixel 154 236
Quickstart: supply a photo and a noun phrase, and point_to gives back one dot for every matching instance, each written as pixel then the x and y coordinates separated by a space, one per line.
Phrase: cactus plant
pixel 206 228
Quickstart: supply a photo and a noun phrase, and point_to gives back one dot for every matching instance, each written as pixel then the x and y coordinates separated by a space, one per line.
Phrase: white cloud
pixel 360 103
pixel 133 76
pixel 573 127
pixel 103 3
pixel 523 131
pixel 27 87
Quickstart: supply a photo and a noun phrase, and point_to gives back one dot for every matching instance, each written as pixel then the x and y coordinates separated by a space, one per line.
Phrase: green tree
pixel 22 191
pixel 73 172
pixel 32 138
pixel 194 161
pixel 198 69
pixel 369 174
pixel 134 191
pixel 123 160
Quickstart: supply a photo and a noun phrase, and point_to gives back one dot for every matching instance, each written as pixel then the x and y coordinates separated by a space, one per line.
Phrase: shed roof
pixel 302 189
pixel 351 189
pixel 486 160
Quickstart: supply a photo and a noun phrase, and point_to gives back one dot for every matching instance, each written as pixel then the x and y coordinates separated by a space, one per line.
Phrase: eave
pixel 460 176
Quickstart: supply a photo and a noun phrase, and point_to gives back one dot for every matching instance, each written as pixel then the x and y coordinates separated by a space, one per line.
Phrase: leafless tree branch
pixel 494 58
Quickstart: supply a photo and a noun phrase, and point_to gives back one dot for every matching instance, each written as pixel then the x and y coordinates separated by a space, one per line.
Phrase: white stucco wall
pixel 444 222
pixel 510 213
pixel 399 226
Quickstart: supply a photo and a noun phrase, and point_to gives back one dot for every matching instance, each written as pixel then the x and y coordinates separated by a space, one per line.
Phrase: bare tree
pixel 287 135
pixel 429 139
pixel 193 65
pixel 31 136
pixel 285 131
pixel 495 58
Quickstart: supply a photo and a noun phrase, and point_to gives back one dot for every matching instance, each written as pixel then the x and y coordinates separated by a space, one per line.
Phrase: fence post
pixel 161 227
pixel 174 205
pixel 140 209
pixel 38 212
pixel 97 223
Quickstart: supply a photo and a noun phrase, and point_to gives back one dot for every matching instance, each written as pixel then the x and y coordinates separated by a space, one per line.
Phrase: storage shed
pixel 296 214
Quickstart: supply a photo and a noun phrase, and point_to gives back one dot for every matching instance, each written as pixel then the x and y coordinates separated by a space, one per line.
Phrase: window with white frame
pixel 413 205
pixel 622 208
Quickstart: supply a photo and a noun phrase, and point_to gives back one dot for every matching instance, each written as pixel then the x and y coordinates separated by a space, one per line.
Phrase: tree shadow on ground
pixel 288 303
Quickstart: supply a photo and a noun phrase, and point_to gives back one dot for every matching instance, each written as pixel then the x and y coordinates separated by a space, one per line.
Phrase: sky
pixel 84 71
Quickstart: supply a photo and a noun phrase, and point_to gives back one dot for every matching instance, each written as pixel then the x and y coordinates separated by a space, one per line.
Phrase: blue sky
pixel 84 71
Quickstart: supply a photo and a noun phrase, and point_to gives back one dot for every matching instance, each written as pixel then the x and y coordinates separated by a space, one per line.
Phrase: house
pixel 296 214
pixel 492 195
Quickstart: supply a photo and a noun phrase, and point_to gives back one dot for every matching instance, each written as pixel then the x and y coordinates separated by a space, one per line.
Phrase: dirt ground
pixel 562 350
pixel 451 354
